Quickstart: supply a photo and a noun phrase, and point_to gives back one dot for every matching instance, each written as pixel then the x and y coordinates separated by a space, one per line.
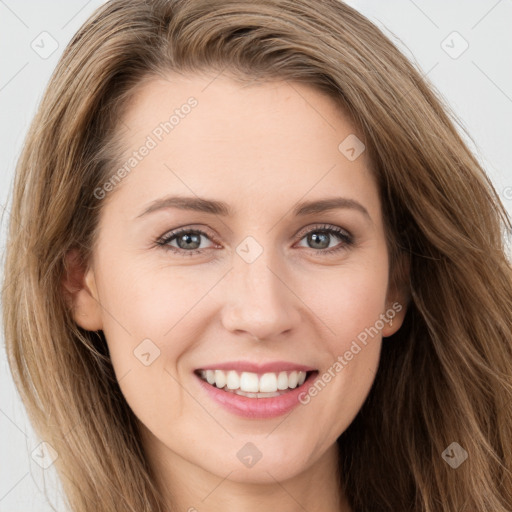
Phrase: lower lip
pixel 258 408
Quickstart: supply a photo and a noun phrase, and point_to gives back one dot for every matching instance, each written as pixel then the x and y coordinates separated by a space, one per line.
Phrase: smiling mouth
pixel 254 385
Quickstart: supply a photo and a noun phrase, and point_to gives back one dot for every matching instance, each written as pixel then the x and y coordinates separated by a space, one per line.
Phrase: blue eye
pixel 187 241
pixel 322 235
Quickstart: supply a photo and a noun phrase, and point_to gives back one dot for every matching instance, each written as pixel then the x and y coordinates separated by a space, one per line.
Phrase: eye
pixel 320 237
pixel 187 241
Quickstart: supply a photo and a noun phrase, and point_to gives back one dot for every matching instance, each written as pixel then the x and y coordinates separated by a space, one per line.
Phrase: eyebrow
pixel 329 204
pixel 223 209
pixel 189 203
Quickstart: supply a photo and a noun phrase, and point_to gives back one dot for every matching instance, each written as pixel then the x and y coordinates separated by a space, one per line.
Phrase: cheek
pixel 347 299
pixel 349 303
pixel 146 321
pixel 150 301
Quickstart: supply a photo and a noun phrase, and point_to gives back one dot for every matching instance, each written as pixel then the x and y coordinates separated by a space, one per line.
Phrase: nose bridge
pixel 257 298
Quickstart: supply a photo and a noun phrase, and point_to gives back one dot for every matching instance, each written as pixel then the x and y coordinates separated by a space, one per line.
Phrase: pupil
pixel 323 239
pixel 189 239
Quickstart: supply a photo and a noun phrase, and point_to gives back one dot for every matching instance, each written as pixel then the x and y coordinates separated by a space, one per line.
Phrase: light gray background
pixel 477 85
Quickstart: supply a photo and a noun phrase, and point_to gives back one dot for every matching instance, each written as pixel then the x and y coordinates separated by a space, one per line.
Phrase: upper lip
pixel 248 366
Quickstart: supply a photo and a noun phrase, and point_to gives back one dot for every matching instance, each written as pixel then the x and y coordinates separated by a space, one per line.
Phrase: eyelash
pixel 344 235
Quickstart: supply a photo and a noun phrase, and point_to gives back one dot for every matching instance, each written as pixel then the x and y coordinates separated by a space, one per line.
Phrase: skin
pixel 261 149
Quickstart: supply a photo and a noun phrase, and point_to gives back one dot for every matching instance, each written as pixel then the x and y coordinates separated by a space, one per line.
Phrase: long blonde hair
pixel 444 377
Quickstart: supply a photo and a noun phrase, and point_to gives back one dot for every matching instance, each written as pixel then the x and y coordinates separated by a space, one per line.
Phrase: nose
pixel 258 300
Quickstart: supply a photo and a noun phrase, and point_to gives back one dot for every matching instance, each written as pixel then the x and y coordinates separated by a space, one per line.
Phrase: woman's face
pixel 264 283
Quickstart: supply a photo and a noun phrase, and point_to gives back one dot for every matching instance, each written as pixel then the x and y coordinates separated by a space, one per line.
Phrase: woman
pixel 337 336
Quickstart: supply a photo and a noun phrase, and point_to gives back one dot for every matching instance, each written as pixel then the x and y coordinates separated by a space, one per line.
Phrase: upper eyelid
pixel 186 229
pixel 322 227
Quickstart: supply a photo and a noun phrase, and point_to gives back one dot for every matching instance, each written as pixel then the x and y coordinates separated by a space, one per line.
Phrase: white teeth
pixel 253 385
pixel 233 380
pixel 282 381
pixel 249 382
pixel 268 383
pixel 220 378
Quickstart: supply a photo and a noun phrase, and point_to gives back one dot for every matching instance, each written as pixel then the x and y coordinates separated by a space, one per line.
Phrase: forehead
pixel 211 135
pixel 224 106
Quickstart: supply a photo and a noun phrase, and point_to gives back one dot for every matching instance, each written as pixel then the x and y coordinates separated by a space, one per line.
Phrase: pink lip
pixel 248 366
pixel 257 408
